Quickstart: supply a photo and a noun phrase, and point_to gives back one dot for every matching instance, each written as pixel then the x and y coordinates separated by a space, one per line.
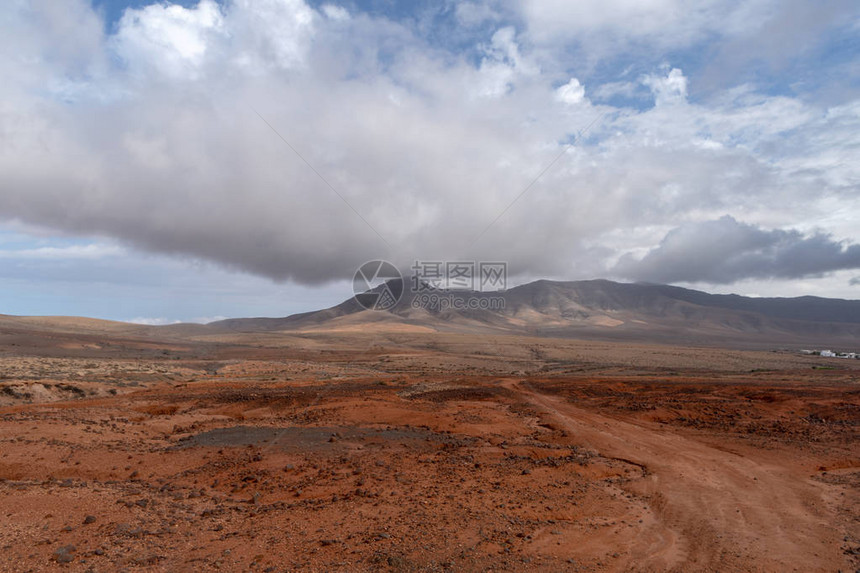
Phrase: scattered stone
pixel 65 554
pixel 89 519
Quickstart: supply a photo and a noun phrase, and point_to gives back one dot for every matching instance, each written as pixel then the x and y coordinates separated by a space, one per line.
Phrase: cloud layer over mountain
pixel 724 251
pixel 407 135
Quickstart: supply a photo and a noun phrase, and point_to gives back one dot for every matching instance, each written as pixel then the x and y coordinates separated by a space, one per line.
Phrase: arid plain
pixel 392 448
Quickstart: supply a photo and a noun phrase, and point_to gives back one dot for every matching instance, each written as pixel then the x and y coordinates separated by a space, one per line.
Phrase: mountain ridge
pixel 600 308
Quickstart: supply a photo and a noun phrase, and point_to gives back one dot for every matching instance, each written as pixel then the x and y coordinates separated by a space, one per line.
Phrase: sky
pixel 165 162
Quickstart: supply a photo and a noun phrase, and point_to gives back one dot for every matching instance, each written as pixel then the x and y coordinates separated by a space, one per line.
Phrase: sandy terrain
pixel 411 451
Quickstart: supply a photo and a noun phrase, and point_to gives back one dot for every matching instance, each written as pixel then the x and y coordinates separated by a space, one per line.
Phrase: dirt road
pixel 715 508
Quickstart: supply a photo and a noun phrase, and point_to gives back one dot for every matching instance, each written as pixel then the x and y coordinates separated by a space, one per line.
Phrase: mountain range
pixel 595 309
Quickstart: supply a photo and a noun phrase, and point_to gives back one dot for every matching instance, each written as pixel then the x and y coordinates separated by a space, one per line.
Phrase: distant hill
pixel 602 309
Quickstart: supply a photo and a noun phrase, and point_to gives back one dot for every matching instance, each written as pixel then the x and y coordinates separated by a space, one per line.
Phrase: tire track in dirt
pixel 716 510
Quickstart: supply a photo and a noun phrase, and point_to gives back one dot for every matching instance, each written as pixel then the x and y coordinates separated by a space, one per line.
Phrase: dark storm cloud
pixel 725 250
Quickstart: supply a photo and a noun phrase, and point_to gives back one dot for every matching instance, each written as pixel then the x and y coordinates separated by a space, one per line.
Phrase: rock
pixel 65 554
pixel 89 519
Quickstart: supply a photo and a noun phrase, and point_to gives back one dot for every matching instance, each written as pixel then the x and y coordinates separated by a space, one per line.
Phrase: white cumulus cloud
pixel 571 93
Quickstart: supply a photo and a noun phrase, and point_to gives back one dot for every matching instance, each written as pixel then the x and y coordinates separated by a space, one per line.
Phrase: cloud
pixel 149 135
pixel 775 37
pixel 473 14
pixel 45 277
pixel 161 321
pixel 335 12
pixel 669 88
pixel 725 250
pixel 571 93
pixel 740 38
pixel 612 89
pixel 168 38
pixel 502 65
pixel 207 319
pixel 557 17
pixel 91 251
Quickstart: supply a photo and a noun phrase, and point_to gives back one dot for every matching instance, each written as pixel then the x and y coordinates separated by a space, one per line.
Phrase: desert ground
pixel 399 450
